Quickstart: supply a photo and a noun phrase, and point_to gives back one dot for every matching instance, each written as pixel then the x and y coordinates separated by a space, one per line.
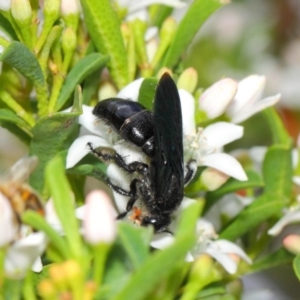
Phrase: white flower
pixel 222 251
pixel 292 216
pixel 239 101
pixel 204 145
pixel 24 254
pixel 22 249
pixel 247 101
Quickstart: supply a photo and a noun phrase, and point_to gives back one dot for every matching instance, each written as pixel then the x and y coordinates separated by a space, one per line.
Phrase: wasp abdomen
pixel 129 119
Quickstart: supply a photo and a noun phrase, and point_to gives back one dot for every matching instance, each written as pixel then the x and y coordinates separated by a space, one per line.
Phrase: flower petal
pixel 249 91
pixel 226 164
pixel 131 91
pixel 256 107
pixel 231 248
pixel 216 98
pixel 221 133
pixel 289 218
pixel 91 122
pixel 162 240
pixel 223 259
pixel 79 148
pixel 188 111
pixel 23 253
pixel 8 224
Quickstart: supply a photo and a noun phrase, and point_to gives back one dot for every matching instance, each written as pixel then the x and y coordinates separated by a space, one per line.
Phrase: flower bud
pixel 46 289
pixel 21 12
pixel 58 276
pixel 5 5
pixel 292 243
pixel 68 7
pixel 7 222
pixel 107 90
pixel 99 225
pixel 216 98
pixel 69 40
pixel 188 80
pixel 168 28
pixel 213 179
pixel 51 8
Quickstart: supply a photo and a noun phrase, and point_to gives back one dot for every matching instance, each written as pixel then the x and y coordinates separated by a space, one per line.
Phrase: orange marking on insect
pixel 136 215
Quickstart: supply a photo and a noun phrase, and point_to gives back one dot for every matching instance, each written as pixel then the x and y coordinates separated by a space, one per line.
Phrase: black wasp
pixel 159 185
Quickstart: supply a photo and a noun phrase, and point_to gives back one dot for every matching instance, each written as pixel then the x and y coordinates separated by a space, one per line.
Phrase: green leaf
pixel 15 130
pixel 78 73
pixel 90 166
pixel 51 135
pixel 188 220
pixel 36 221
pixel 64 205
pixel 279 132
pixel 135 241
pixel 7 28
pixel 296 266
pixel 157 267
pixel 233 185
pixel 147 92
pixel 8 116
pixel 159 15
pixel 196 15
pixel 104 28
pixel 90 87
pixel 18 56
pixel 275 259
pixel 260 210
pixel 278 170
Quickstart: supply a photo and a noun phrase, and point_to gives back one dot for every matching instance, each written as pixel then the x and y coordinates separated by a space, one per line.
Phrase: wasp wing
pixel 168 162
pixel 21 170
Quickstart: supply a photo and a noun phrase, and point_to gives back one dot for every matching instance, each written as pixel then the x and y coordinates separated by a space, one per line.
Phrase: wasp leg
pixel 131 201
pixel 191 171
pixel 110 155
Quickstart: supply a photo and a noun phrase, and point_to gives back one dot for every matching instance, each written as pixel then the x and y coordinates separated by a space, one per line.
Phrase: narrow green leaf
pixel 104 28
pixel 90 166
pixel 147 92
pixel 278 170
pixel 188 220
pixel 90 87
pixel 36 221
pixel 51 135
pixel 78 73
pixel 9 116
pixel 7 28
pixel 233 185
pixel 279 132
pixel 296 266
pixel 18 56
pixel 196 15
pixel 275 259
pixel 158 266
pixel 63 202
pixel 134 243
pixel 159 14
pixel 260 210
